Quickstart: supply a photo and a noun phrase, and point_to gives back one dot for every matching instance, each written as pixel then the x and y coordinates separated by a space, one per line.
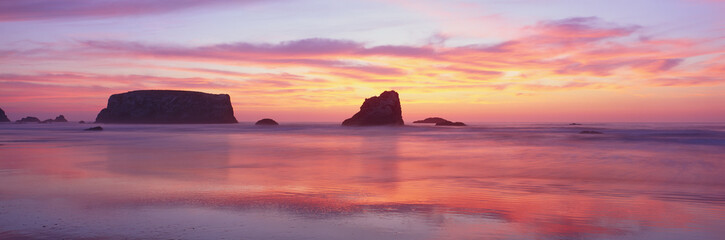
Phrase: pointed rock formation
pixel 267 121
pixel 381 110
pixel 3 118
pixel 167 106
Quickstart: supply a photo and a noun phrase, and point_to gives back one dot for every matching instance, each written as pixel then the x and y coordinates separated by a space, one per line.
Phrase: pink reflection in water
pixel 325 182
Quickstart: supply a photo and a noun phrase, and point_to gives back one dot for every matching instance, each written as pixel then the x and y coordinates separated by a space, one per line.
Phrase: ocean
pixel 324 181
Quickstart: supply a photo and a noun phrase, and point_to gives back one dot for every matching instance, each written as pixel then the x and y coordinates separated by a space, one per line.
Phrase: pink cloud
pixel 51 9
pixel 580 30
pixel 401 51
pixel 565 50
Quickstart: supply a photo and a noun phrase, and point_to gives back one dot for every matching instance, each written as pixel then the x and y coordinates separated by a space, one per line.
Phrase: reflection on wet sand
pixel 184 157
pixel 358 184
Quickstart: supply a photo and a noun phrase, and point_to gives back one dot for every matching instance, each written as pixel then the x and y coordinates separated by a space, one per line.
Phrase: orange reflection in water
pixel 454 184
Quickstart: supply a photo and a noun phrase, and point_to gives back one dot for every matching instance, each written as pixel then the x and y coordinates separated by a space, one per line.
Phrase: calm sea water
pixel 323 181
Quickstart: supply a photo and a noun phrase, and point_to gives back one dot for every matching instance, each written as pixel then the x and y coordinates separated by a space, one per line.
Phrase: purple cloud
pixel 24 10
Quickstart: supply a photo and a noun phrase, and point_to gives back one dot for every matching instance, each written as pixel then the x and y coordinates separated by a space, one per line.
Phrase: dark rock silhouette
pixel 381 110
pixel 167 106
pixel 3 118
pixel 266 121
pixel 57 119
pixel 28 120
pixel 81 121
pixel 574 124
pixel 440 122
pixel 590 132
pixel 449 123
pixel 98 128
pixel 60 118
pixel 431 120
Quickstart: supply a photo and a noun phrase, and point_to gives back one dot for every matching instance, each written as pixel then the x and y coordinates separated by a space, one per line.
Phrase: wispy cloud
pixel 52 9
pixel 573 54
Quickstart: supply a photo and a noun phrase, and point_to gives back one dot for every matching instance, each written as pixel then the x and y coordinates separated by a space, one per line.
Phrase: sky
pixel 317 60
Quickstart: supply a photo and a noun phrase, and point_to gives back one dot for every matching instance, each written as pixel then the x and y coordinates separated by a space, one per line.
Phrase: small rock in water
pixel 267 122
pixel 98 128
pixel 432 120
pixel 449 123
pixel 590 132
pixel 574 124
pixel 82 122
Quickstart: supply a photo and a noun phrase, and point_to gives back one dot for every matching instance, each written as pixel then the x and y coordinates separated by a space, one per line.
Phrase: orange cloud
pixel 575 54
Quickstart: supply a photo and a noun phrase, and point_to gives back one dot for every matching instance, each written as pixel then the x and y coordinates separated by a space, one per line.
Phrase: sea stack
pixel 167 106
pixel 375 111
pixel 3 118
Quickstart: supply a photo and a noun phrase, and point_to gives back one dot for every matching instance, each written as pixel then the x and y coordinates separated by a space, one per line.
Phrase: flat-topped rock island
pixel 167 106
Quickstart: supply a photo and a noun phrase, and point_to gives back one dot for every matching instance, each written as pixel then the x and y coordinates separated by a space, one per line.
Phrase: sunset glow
pixel 522 61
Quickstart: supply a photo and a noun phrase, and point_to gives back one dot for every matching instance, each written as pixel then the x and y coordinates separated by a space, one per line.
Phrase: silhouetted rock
pixel 432 120
pixel 28 120
pixel 98 128
pixel 3 118
pixel 167 106
pixel 449 123
pixel 81 121
pixel 574 124
pixel 266 121
pixel 382 110
pixel 590 132
pixel 60 118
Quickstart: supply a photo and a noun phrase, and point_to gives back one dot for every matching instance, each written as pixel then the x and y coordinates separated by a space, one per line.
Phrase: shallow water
pixel 323 181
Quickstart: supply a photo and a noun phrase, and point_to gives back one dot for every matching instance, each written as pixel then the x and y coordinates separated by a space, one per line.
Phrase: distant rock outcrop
pixel 381 110
pixel 3 118
pixel 449 123
pixel 28 120
pixel 167 106
pixel 574 124
pixel 432 120
pixel 590 132
pixel 440 122
pixel 267 122
pixel 58 119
